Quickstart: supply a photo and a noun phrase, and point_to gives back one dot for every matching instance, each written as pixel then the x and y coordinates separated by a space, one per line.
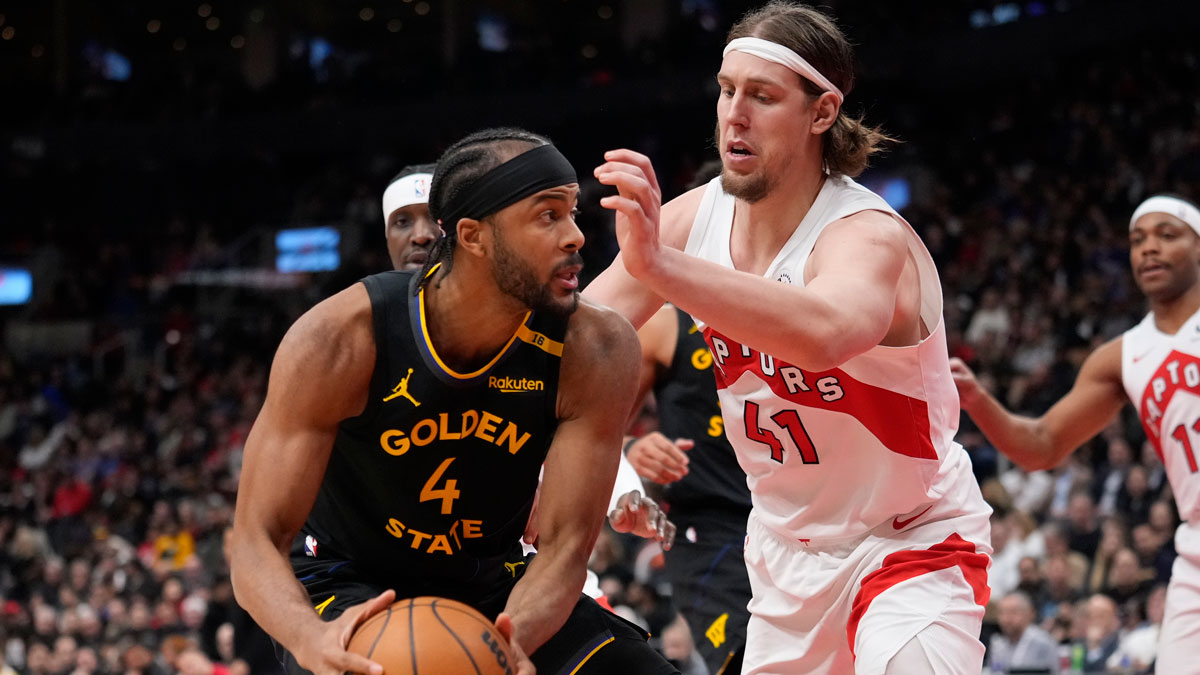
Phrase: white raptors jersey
pixel 834 454
pixel 1161 374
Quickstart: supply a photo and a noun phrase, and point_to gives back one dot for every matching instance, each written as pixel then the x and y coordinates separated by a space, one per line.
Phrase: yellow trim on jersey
pixel 591 654
pixel 321 607
pixel 728 658
pixel 441 364
pixel 527 334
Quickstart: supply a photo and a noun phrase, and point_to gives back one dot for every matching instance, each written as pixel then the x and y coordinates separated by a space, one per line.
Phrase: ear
pixel 825 110
pixel 472 236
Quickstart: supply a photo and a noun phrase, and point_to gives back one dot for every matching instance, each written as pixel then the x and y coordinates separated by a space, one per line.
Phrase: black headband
pixel 529 172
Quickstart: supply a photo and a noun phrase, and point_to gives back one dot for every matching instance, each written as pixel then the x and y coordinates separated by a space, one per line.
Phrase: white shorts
pixel 1179 639
pixel 849 606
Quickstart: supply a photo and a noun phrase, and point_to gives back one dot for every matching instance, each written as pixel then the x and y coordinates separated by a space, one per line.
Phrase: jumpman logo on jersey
pixel 512 568
pixel 402 390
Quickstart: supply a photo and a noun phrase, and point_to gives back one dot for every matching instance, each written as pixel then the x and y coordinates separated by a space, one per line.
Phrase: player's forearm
pixel 264 584
pixel 543 598
pixel 1022 439
pixel 787 322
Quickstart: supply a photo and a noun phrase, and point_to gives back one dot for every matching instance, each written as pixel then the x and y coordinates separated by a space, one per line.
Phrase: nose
pixel 735 113
pixel 573 237
pixel 425 231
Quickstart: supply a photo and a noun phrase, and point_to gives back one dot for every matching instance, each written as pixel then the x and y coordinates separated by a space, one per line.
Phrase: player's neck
pixel 1170 315
pixel 761 229
pixel 469 319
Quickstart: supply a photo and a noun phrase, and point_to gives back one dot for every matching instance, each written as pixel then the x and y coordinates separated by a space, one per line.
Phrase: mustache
pixel 571 261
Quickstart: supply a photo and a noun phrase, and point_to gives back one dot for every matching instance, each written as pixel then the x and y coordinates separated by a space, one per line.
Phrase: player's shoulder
pixel 339 325
pixel 600 326
pixel 678 215
pixel 1105 362
pixel 872 223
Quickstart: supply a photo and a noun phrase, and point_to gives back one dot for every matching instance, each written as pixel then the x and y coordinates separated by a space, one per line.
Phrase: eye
pixel 762 98
pixel 727 92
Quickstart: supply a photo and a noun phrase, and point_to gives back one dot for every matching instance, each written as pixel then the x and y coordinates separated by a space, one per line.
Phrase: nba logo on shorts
pixel 310 546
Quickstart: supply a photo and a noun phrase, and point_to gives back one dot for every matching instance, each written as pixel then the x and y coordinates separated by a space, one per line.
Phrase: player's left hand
pixel 523 666
pixel 640 515
pixel 638 202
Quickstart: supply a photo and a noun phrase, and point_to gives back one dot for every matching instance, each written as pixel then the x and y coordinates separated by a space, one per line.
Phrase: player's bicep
pixel 319 377
pixel 1094 400
pixel 598 382
pixel 855 268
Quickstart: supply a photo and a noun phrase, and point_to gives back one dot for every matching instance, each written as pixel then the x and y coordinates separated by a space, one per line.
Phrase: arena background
pixel 151 153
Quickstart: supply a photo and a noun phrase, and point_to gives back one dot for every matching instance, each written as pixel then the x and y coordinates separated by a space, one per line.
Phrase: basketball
pixel 433 636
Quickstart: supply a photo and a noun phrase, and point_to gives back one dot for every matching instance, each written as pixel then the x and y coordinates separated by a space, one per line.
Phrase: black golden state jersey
pixel 431 487
pixel 688 408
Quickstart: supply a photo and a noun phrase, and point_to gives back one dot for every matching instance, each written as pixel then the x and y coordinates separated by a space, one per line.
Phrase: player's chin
pixel 565 303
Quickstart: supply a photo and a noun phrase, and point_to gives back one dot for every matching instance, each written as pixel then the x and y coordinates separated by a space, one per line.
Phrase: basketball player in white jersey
pixel 1156 366
pixel 867 545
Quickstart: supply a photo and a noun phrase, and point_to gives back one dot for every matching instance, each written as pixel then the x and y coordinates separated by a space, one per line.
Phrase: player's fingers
pixel 620 167
pixel 635 158
pixel 685 444
pixel 623 205
pixel 349 662
pixel 667 534
pixel 359 614
pixel 633 186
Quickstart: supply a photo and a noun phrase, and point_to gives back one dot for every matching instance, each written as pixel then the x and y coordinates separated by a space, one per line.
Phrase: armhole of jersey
pixel 703 220
pixel 553 379
pixel 380 329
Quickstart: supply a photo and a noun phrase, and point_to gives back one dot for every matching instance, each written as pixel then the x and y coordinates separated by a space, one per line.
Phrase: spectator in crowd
pixel 1020 644
pixel 1100 632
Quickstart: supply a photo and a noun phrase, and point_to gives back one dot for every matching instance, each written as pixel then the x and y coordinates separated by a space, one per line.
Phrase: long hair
pixel 457 168
pixel 849 144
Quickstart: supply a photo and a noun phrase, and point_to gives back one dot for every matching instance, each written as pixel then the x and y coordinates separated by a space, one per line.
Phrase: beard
pixel 516 278
pixel 749 188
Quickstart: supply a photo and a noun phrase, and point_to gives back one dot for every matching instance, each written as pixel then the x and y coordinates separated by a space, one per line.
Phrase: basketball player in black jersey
pixel 705 488
pixel 397 452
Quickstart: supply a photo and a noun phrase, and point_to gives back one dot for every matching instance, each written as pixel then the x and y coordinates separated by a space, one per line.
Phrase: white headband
pixel 1170 206
pixel 777 53
pixel 406 191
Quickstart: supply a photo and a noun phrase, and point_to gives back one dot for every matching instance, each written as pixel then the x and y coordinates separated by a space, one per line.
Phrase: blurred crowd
pixel 119 457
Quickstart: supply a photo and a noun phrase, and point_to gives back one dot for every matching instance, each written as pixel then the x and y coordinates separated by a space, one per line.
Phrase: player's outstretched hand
pixel 638 202
pixel 641 516
pixel 968 386
pixel 327 655
pixel 524 666
pixel 655 457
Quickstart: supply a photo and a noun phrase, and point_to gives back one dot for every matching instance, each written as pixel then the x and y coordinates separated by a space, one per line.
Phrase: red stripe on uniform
pixel 904 565
pixel 901 423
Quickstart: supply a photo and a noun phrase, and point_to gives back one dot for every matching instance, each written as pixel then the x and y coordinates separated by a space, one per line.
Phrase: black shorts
pixel 593 641
pixel 710 585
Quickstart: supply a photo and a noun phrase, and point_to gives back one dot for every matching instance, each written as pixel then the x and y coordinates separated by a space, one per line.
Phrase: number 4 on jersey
pixel 787 420
pixel 447 494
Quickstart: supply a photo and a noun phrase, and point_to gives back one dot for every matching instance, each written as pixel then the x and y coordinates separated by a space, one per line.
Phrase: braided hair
pixel 459 166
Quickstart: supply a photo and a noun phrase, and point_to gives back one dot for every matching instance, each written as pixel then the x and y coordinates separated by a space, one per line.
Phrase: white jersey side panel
pixel 1161 374
pixel 835 454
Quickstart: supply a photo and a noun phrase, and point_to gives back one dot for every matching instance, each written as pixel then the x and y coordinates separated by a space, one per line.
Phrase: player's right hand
pixel 325 653
pixel 655 457
pixel 966 383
